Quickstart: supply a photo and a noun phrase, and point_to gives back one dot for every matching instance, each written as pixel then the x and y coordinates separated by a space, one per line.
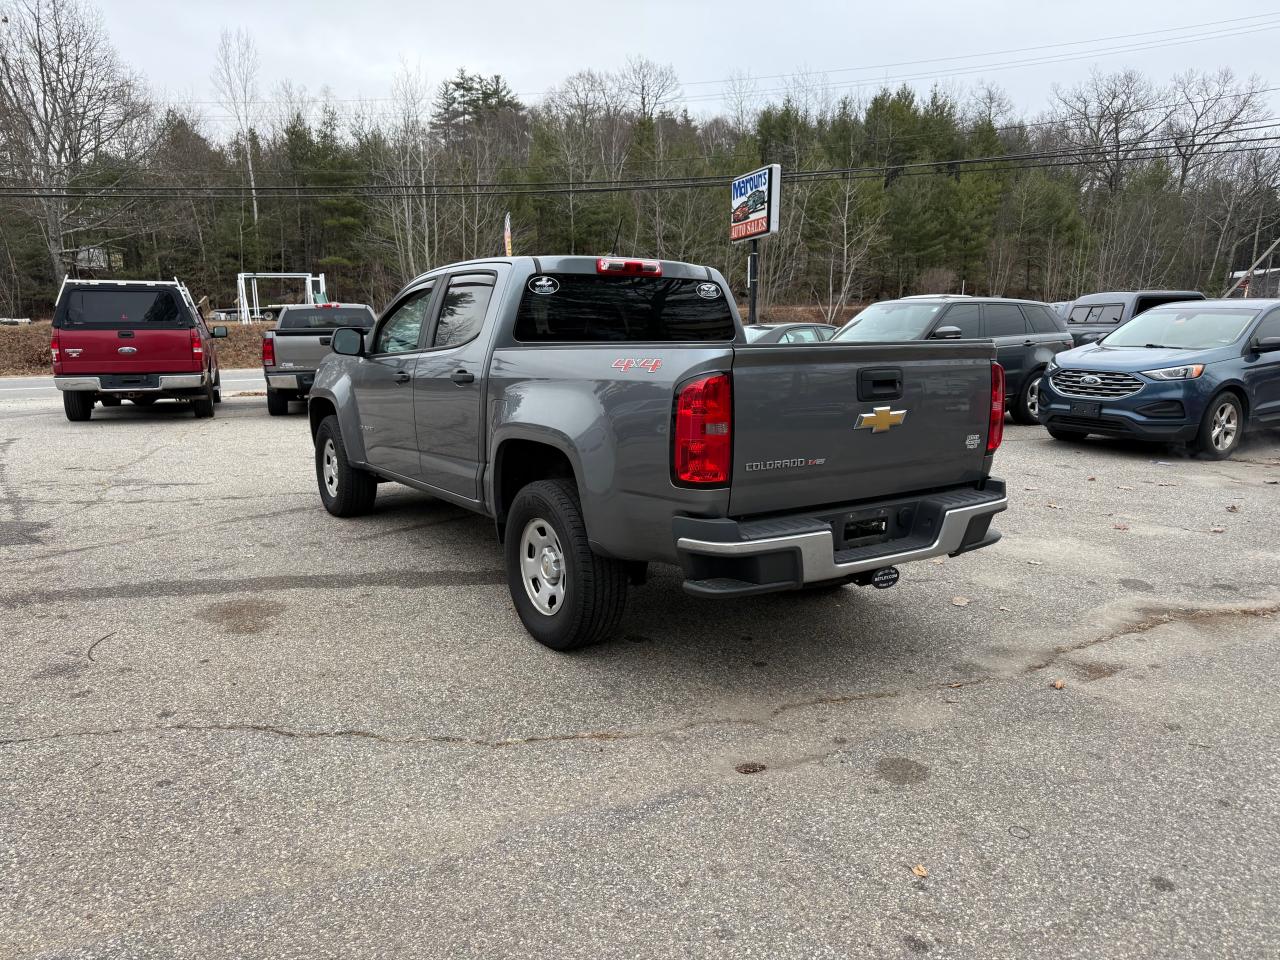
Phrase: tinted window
pixel 1186 328
pixel 585 308
pixel 1043 319
pixel 326 318
pixel 1004 320
pixel 964 316
pixel 1269 327
pixel 1143 304
pixel 400 332
pixel 890 321
pixel 462 313
pixel 122 309
pixel 1108 313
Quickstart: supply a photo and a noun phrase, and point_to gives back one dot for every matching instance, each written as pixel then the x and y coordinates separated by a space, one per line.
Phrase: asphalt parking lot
pixel 232 725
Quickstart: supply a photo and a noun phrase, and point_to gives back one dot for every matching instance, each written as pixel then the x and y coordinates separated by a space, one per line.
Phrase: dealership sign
pixel 754 205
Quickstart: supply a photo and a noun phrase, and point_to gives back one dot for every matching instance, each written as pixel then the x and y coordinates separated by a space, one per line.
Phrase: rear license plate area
pixel 863 529
pixel 129 381
pixel 1091 410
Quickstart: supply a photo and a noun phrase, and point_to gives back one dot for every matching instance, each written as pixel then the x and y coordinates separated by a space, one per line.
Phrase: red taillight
pixel 703 436
pixel 197 348
pixel 995 431
pixel 56 349
pixel 268 352
pixel 618 267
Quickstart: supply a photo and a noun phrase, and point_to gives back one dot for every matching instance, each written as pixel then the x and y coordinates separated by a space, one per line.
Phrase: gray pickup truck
pixel 608 413
pixel 293 349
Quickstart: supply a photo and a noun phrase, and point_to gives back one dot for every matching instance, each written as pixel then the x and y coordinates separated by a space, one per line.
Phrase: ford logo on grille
pixel 1089 380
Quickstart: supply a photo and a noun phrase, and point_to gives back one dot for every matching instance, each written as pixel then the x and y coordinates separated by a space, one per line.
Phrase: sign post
pixel 754 210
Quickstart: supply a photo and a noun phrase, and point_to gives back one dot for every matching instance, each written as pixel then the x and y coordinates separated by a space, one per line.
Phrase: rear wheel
pixel 346 491
pixel 217 388
pixel 1220 428
pixel 78 404
pixel 277 403
pixel 1026 409
pixel 202 405
pixel 567 596
pixel 1067 436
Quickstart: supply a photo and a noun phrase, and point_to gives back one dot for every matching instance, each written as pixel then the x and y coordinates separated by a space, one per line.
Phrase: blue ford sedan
pixel 1196 373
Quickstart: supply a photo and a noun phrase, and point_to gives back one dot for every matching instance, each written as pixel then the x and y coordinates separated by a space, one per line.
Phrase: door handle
pixel 1028 343
pixel 461 376
pixel 402 377
pixel 325 341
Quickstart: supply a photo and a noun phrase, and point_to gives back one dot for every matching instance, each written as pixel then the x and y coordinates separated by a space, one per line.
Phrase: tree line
pixel 1120 181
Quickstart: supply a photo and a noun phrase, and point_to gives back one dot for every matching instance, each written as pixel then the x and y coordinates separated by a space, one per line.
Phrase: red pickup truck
pixel 140 340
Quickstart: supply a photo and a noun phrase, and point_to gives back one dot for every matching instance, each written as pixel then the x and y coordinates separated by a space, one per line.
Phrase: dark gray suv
pixel 1027 334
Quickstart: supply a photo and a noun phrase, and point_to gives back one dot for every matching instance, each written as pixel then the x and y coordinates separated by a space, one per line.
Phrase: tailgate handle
pixel 125 334
pixel 881 383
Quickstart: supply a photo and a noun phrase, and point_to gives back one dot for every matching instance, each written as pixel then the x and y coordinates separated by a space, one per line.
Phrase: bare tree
pixel 235 75
pixel 68 108
pixel 1110 119
pixel 1209 108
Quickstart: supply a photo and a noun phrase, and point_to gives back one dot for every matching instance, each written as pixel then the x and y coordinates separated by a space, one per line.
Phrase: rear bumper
pixel 149 383
pixel 300 380
pixel 725 558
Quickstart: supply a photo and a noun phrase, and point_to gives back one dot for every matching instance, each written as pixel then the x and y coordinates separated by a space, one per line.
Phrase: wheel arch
pixel 520 459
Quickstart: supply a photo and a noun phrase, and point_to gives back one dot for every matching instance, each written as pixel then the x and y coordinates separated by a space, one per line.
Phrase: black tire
pixel 202 405
pixel 1221 428
pixel 143 401
pixel 277 403
pixel 347 491
pixel 78 404
pixel 1027 404
pixel 593 589
pixel 217 388
pixel 109 401
pixel 1066 436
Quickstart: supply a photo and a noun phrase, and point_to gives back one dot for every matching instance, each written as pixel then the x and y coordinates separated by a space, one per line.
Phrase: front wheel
pixel 567 596
pixel 1026 409
pixel 1220 428
pixel 346 491
pixel 78 404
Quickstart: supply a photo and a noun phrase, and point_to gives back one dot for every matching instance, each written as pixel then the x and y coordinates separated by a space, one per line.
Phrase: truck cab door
pixel 383 385
pixel 449 385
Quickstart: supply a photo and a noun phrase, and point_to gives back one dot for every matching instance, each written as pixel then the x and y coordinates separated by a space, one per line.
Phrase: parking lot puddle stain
pixel 901 772
pixel 243 616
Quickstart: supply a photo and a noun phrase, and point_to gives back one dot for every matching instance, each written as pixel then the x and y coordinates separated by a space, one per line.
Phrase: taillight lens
pixel 268 352
pixel 995 431
pixel 703 436
pixel 55 347
pixel 619 266
pixel 197 348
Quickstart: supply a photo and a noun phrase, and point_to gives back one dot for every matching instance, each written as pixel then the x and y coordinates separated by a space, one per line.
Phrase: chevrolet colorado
pixel 608 413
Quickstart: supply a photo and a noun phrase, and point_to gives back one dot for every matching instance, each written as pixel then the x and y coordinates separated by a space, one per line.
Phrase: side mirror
pixel 1266 344
pixel 347 341
pixel 219 333
pixel 947 333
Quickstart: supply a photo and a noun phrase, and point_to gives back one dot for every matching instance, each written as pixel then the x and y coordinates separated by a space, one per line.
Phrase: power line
pixel 993 165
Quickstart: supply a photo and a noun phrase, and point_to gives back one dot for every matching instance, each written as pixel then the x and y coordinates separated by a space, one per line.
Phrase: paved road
pixel 42 388
pixel 231 725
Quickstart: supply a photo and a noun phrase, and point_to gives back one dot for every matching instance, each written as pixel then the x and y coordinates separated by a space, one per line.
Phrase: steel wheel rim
pixel 542 567
pixel 329 468
pixel 1225 426
pixel 1033 398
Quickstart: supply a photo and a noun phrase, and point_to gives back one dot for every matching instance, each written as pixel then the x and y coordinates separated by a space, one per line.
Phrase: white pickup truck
pixel 292 351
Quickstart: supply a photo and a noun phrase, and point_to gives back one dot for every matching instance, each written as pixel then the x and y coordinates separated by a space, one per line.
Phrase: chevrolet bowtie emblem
pixel 880 419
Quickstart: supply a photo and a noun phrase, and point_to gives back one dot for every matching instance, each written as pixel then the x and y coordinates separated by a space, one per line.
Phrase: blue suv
pixel 1195 372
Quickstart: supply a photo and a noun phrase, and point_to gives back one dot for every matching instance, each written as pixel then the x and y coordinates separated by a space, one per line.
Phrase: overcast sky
pixel 355 48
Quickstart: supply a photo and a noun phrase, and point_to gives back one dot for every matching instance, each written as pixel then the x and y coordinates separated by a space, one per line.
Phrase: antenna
pixel 613 251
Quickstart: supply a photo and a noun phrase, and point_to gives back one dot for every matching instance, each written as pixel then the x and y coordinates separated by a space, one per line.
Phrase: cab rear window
pixel 586 308
pixel 121 309
pixel 326 318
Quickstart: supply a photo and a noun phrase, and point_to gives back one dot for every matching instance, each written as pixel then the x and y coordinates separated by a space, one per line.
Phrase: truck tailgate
pixel 925 409
pixel 301 349
pixel 139 350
